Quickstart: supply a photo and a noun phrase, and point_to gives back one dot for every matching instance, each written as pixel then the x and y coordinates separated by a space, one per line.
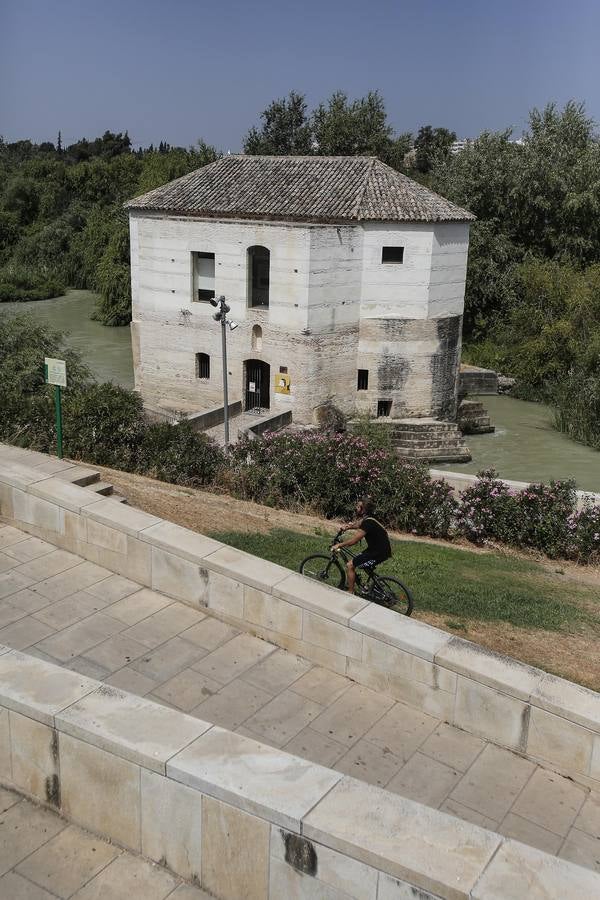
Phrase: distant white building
pixel 346 278
pixel 460 145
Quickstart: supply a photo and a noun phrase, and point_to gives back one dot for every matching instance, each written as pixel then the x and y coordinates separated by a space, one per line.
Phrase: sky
pixel 182 70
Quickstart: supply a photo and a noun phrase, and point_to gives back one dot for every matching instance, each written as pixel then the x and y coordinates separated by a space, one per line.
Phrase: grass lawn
pixel 458 586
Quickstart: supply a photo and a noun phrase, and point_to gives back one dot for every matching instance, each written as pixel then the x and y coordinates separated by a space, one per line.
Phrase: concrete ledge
pixel 516 706
pixel 239 818
pixel 36 689
pixel 129 726
pixel 374 826
pixel 253 776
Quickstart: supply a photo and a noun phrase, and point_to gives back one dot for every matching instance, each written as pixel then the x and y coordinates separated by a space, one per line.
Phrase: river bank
pixel 106 351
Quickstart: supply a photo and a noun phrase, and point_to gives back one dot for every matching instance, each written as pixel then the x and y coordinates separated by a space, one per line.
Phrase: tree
pixel 285 130
pixel 431 145
pixel 357 128
pixel 22 198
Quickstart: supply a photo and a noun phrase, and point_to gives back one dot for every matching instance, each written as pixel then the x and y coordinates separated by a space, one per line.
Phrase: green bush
pixel 104 424
pixel 178 454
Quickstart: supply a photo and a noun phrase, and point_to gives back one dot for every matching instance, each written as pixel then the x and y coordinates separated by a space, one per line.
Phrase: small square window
pixel 205 296
pixel 283 370
pixel 392 255
pixel 384 408
pixel 363 380
pixel 202 365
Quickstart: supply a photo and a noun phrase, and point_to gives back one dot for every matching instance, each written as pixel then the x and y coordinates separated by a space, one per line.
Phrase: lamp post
pixel 221 316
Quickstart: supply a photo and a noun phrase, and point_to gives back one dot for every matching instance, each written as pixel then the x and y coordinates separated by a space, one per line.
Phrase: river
pixel 106 351
pixel 524 447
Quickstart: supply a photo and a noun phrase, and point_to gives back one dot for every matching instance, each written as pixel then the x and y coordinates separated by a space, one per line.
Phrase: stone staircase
pixel 89 478
pixel 429 440
pixel 473 418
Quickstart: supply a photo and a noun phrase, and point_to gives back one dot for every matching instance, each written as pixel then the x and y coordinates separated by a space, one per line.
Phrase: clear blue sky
pixel 183 69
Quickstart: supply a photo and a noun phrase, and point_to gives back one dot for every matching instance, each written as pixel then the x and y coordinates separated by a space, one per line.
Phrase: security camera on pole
pixel 221 316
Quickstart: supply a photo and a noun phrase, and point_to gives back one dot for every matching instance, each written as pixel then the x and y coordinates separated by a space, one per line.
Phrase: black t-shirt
pixel 378 542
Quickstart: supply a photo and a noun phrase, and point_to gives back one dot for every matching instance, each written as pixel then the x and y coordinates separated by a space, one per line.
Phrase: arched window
pixel 257 338
pixel 259 259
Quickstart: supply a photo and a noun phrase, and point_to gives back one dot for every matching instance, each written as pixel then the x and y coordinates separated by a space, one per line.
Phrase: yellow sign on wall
pixel 282 383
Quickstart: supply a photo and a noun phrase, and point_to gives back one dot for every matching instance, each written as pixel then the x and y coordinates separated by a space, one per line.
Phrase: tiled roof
pixel 301 188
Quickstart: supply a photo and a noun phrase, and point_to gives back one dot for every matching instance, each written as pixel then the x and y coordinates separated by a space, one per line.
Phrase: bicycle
pixel 381 589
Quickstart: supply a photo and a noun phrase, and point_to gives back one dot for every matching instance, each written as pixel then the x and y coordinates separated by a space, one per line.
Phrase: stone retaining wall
pixel 549 720
pixel 242 819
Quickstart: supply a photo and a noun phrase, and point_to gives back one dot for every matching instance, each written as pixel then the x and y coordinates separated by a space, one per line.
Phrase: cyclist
pixel 378 542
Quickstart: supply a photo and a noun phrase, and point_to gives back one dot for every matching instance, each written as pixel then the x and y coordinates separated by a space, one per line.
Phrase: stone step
pixel 102 487
pixel 80 476
pixel 442 454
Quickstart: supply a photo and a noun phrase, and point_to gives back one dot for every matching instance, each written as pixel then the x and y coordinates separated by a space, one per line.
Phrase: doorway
pixel 257 382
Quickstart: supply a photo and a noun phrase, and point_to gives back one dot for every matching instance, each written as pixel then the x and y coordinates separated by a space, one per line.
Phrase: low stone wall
pixel 274 423
pixel 549 720
pixel 474 380
pixel 239 818
pixel 460 482
pixel 202 420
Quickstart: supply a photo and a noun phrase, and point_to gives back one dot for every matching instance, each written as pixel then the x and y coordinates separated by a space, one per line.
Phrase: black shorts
pixel 366 561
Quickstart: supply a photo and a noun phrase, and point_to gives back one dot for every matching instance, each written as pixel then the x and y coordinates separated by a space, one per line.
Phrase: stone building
pixel 346 279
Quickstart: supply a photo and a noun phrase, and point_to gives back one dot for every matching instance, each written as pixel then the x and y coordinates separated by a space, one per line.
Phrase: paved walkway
pixel 76 614
pixel 43 857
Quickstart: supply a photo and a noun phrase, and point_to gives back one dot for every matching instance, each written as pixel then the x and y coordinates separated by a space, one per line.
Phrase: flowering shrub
pixel 329 472
pixel 487 510
pixel 584 533
pixel 542 514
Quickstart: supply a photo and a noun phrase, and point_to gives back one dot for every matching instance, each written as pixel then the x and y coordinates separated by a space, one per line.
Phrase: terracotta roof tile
pixel 301 188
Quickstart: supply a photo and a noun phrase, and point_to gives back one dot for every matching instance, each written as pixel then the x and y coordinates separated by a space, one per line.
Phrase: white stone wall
pixel 410 331
pixel 334 308
pixel 450 247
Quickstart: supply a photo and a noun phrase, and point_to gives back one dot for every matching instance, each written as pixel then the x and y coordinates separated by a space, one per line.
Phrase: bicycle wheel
pixel 391 593
pixel 324 569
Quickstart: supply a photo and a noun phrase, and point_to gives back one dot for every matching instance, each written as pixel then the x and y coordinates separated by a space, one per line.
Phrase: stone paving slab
pixel 43 857
pixel 140 641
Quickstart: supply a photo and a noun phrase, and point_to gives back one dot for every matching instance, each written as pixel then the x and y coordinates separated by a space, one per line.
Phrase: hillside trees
pixel 61 217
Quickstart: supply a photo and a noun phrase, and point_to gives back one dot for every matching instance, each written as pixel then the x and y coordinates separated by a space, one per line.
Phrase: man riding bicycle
pixel 378 542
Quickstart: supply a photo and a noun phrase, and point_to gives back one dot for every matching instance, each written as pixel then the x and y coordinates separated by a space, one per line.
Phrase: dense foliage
pixel 533 285
pixel 61 217
pixel 102 423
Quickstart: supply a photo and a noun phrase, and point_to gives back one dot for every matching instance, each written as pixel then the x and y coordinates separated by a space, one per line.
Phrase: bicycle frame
pixel 347 554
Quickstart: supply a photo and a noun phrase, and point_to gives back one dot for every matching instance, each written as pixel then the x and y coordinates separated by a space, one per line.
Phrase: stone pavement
pixel 43 857
pixel 76 614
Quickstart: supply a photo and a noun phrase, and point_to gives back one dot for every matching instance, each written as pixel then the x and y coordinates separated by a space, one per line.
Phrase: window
pixel 363 380
pixel 203 277
pixel 257 338
pixel 283 370
pixel 392 254
pixel 384 408
pixel 202 365
pixel 259 261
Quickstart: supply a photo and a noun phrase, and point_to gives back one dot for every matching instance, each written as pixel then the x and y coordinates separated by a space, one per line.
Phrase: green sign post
pixel 56 374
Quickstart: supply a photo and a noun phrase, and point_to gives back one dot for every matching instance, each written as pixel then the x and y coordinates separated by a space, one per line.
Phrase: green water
pixel 525 446
pixel 106 351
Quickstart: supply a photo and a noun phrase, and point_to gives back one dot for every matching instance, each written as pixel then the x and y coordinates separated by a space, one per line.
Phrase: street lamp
pixel 221 316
